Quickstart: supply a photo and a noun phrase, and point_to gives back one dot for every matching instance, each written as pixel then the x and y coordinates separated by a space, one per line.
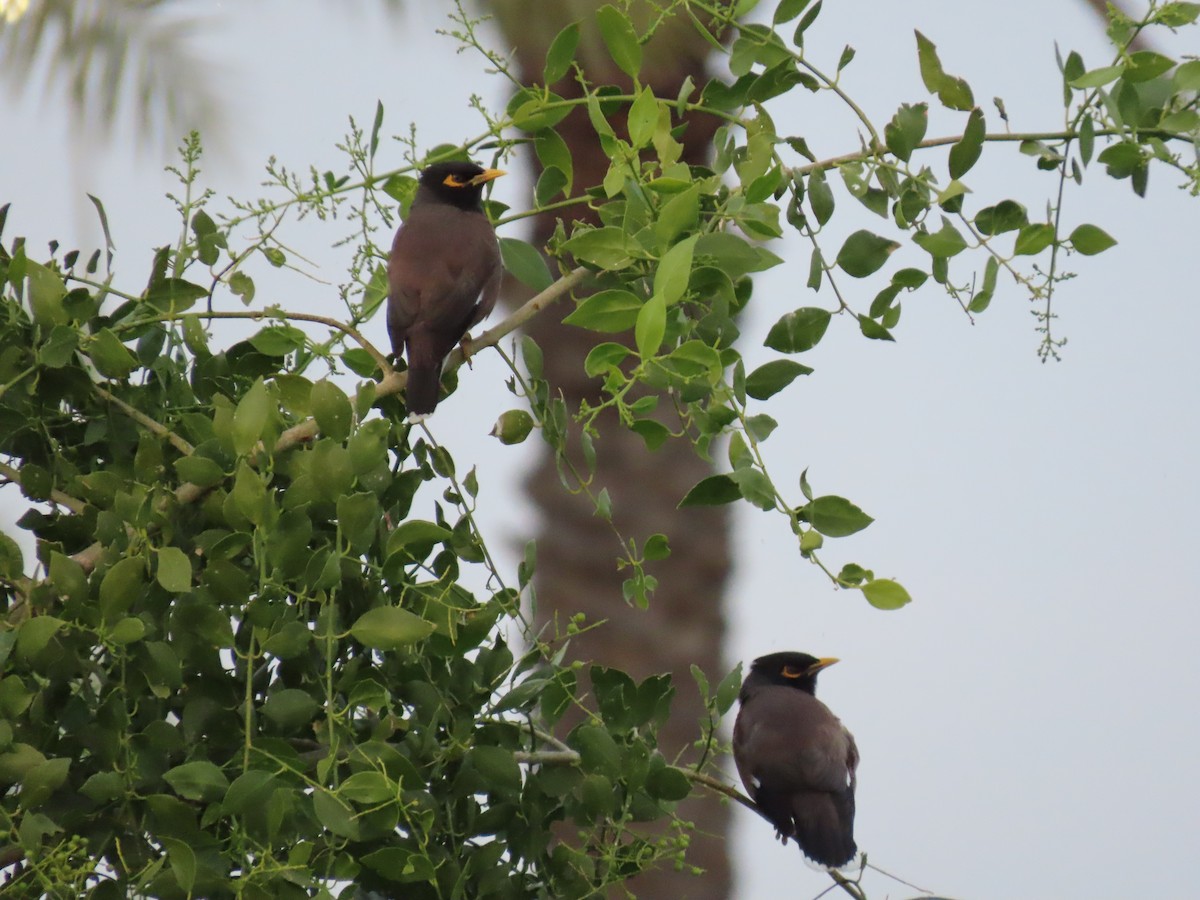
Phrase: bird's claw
pixel 467 352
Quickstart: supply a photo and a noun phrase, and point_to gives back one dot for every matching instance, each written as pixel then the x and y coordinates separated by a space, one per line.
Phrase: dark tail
pixel 424 376
pixel 825 827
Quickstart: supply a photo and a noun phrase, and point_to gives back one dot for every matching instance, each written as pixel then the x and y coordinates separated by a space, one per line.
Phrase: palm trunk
pixel 684 624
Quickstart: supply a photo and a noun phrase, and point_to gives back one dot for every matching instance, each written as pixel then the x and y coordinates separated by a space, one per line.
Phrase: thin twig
pixel 155 428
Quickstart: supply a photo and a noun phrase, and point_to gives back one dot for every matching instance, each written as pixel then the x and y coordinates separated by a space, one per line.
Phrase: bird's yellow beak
pixel 487 175
pixel 824 663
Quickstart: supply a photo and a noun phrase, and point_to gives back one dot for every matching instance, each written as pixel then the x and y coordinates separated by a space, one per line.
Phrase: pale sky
pixel 1027 725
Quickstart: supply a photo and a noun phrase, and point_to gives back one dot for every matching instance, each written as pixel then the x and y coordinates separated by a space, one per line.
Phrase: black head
pixel 457 183
pixel 796 670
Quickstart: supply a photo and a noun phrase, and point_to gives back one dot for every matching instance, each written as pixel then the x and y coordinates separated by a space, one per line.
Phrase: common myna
pixel 443 275
pixel 796 758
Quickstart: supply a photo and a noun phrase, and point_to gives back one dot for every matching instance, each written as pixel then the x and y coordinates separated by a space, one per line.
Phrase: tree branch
pixel 391 384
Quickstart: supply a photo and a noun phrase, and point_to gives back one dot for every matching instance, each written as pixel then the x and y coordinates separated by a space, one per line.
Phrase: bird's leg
pixel 467 352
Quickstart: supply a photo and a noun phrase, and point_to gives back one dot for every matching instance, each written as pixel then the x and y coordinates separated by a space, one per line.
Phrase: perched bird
pixel 443 275
pixel 796 758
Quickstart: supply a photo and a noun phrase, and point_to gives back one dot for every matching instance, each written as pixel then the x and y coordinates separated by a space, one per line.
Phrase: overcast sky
pixel 1028 726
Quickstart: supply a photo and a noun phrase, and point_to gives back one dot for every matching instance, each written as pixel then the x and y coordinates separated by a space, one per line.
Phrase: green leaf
pixel 606 248
pixel 643 118
pixel 715 490
pixel 199 470
pixel 278 340
pixel 597 750
pixel 965 153
pixel 111 358
pixel 864 253
pixel 173 295
pixel 907 129
pixel 400 864
pixel 174 571
pixel 1098 77
pixel 103 786
pixel 620 38
pixel 799 330
pixel 755 487
pixel 835 516
pixel 103 217
pixel 390 628
pixel 46 293
pixel 498 767
pixel 805 23
pixel 771 378
pixel 820 196
pixel 197 780
pixel 873 330
pixel 121 586
pixel 68 577
pixel 883 593
pixel 42 780
pixel 953 92
pixel 290 709
pixel 608 311
pixel 650 326
pixel 656 547
pixel 603 357
pixel 1033 239
pixel 525 263
pixel 249 492
pixel 36 633
pixel 941 244
pixel 533 111
pixel 759 427
pixel 250 418
pixel 127 631
pixel 242 286
pixel 182 859
pixel 1146 65
pixel 417 536
pixel 368 787
pixel 332 410
pixel 983 297
pixel 1187 77
pixel 1090 240
pixel 335 814
pixel 561 54
pixel 674 269
pixel 358 519
pixel 788 10
pixel 59 347
pixel 1007 215
pixel 734 255
pixel 1177 14
pixel 668 783
pixel 402 189
pixel 678 215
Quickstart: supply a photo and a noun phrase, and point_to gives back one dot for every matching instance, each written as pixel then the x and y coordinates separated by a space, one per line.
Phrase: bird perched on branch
pixel 443 275
pixel 796 758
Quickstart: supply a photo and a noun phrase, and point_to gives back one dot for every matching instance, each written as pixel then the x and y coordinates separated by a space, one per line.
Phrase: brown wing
pixel 443 274
pixel 794 739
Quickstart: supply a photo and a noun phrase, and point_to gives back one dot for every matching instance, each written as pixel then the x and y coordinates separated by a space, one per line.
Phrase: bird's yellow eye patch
pixel 791 672
pixel 452 181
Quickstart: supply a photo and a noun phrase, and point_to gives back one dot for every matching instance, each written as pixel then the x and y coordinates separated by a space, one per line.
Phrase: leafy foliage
pixel 244 663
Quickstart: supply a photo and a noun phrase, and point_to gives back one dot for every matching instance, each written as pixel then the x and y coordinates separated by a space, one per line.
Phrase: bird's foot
pixel 465 346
